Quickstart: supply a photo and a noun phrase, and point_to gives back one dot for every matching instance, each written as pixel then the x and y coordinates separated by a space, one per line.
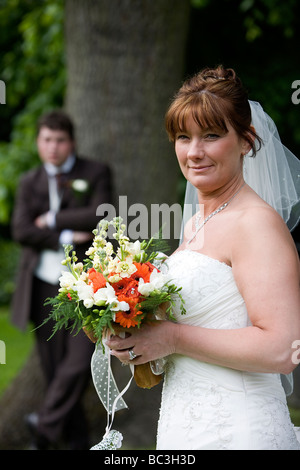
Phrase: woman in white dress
pixel 239 272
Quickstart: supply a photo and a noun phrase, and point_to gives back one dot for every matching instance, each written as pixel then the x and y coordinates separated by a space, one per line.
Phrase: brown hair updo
pixel 213 97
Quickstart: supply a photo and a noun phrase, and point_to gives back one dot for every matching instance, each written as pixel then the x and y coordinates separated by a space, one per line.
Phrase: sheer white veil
pixel 274 174
pixel 275 171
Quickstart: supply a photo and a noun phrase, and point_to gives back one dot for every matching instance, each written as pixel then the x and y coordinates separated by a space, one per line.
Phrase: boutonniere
pixel 80 185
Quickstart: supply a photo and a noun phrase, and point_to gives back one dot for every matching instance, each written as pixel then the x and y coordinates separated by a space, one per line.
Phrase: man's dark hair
pixel 57 121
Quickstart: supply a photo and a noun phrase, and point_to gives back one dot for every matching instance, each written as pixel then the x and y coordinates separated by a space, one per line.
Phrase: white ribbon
pixel 109 395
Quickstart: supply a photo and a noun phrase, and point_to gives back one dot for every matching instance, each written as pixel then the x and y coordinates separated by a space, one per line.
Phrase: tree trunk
pixel 20 398
pixel 125 61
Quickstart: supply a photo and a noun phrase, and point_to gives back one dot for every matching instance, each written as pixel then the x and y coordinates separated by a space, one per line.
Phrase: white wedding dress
pixel 205 406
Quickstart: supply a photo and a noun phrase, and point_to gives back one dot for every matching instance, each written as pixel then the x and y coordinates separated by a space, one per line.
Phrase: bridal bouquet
pixel 113 289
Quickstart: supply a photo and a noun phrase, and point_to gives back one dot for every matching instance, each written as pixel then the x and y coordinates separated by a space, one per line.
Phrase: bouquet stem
pixel 90 334
pixel 144 376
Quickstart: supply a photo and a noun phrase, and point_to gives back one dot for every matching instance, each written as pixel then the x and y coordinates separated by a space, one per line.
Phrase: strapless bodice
pixel 212 299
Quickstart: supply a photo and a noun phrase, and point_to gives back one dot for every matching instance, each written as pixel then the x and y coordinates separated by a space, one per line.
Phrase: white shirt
pixel 49 267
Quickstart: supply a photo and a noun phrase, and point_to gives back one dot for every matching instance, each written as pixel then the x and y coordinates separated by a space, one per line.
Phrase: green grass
pixel 17 347
pixel 295 416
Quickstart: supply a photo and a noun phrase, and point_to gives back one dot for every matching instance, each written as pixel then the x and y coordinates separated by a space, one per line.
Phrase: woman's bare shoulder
pixel 262 234
pixel 261 219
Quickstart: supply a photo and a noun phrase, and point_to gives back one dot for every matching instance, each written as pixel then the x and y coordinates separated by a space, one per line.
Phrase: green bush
pixel 33 69
pixel 9 255
pixel 18 346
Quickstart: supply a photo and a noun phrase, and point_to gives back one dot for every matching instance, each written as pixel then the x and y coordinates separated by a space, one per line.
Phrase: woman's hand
pixel 149 342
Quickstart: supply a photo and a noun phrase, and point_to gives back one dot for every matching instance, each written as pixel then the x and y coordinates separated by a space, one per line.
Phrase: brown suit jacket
pixel 78 212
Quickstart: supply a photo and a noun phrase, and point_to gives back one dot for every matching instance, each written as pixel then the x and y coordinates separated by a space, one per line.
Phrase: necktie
pixel 57 184
pixel 61 180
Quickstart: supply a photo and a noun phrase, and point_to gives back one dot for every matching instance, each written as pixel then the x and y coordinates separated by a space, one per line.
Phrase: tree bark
pixel 125 60
pixel 20 398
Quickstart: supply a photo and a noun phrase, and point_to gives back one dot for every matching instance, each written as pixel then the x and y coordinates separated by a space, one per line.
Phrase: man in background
pixel 55 205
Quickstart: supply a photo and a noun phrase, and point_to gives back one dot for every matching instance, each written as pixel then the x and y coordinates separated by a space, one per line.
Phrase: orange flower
pixel 96 279
pixel 144 270
pixel 127 290
pixel 128 319
pixel 127 287
pixel 122 285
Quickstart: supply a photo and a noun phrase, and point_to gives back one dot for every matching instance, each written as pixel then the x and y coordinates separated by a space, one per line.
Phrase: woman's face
pixel 209 159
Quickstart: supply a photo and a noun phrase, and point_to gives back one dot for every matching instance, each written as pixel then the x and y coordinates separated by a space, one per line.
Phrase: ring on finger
pixel 132 354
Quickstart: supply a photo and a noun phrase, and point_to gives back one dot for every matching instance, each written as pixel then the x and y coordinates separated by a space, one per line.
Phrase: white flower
pixel 84 276
pixel 107 296
pixel 78 268
pixel 116 306
pixel 96 261
pixel 109 249
pixel 157 281
pixel 125 268
pixel 134 249
pixel 67 280
pixel 88 303
pixel 91 250
pixel 85 292
pixel 80 185
pixel 114 278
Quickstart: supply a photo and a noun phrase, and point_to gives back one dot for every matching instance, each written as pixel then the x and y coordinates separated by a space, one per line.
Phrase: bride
pixel 239 272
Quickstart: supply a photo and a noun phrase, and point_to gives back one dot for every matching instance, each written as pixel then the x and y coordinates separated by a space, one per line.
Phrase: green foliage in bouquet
pixel 111 287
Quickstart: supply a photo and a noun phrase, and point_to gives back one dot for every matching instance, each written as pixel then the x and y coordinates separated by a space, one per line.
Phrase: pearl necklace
pixel 199 226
